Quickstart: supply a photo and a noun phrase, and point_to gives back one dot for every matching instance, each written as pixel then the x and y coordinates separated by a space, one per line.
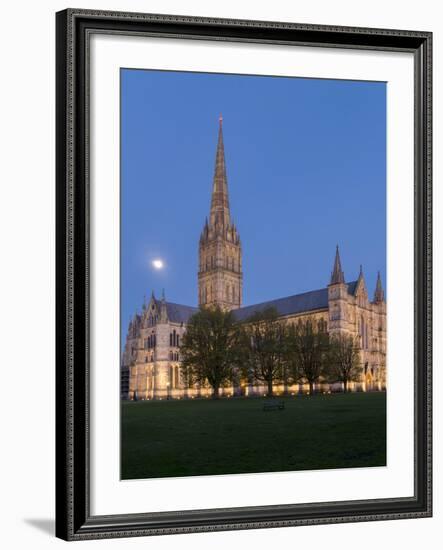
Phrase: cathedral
pixel 150 367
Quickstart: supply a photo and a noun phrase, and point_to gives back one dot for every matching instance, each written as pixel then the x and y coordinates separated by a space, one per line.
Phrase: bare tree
pixel 264 337
pixel 344 360
pixel 307 351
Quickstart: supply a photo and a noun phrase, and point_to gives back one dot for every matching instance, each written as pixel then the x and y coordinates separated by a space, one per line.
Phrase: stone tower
pixel 337 298
pixel 220 277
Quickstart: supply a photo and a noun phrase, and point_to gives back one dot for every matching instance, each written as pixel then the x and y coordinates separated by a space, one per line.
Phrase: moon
pixel 157 264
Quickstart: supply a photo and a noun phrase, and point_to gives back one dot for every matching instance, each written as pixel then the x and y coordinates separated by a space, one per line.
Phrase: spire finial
pixel 220 119
pixel 337 275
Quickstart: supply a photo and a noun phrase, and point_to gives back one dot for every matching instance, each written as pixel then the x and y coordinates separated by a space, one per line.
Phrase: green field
pixel 227 436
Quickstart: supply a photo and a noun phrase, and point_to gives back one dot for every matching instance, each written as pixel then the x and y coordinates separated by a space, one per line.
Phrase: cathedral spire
pixel 220 201
pixel 337 275
pixel 220 275
pixel 379 294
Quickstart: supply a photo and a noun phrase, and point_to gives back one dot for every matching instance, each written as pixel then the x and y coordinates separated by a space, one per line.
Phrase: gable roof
pixel 178 313
pixel 298 303
pixel 352 287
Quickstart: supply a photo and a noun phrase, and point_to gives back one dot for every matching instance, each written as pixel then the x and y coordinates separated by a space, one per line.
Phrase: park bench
pixel 273 405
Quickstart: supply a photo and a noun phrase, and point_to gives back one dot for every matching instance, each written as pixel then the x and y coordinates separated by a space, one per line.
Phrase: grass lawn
pixel 227 436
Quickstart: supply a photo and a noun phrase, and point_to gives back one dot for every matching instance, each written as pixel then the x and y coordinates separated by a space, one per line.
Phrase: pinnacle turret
pixel 379 294
pixel 337 275
pixel 163 309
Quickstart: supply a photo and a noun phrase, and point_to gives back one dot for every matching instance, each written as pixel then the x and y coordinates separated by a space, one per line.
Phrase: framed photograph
pixel 243 274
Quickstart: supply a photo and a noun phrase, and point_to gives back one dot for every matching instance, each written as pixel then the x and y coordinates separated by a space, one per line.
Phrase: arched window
pixel 363 333
pixel 177 377
pixel 178 340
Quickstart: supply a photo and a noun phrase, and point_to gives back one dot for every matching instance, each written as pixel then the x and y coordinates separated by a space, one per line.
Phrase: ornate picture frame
pixel 74 29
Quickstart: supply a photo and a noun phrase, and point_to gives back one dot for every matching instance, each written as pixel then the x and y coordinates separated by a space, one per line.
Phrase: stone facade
pixel 150 367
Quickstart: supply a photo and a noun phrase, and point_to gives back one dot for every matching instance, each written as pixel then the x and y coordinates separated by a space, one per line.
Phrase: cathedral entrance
pixel 369 378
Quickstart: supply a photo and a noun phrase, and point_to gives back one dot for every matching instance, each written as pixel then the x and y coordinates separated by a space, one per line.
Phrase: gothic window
pixel 335 312
pixel 170 339
pixel 178 340
pixel 363 333
pixel 177 377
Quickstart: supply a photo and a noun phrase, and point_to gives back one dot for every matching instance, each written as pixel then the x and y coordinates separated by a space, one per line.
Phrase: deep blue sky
pixel 306 166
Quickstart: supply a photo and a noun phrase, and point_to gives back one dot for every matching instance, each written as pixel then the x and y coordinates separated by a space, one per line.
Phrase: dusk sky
pixel 306 168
